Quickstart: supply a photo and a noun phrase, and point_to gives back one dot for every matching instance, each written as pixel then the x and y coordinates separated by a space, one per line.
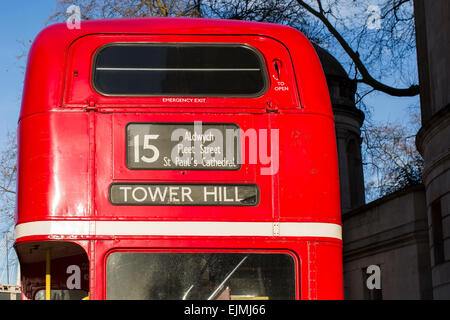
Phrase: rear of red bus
pixel 177 159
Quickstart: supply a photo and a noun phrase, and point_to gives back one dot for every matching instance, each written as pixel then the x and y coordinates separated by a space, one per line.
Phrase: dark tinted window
pixel 62 295
pixel 179 69
pixel 199 276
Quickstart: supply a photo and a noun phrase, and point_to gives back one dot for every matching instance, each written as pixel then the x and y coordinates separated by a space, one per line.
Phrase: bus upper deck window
pixel 228 70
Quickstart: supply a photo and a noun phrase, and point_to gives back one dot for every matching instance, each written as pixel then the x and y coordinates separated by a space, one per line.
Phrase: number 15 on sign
pixel 148 146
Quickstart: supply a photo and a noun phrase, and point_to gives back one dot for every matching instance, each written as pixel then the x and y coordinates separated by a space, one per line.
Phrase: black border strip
pixel 258 54
pixel 185 184
pixel 239 144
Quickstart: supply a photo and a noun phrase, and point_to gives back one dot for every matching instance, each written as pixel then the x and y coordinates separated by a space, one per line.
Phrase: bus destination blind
pixel 182 146
pixel 184 194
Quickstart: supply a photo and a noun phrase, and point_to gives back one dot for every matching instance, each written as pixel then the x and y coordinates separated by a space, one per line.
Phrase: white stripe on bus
pixel 179 228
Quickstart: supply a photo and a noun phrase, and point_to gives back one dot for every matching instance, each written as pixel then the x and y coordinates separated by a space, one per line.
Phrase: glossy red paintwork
pixel 71 145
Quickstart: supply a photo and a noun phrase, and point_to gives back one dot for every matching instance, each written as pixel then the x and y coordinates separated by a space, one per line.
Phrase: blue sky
pixel 20 22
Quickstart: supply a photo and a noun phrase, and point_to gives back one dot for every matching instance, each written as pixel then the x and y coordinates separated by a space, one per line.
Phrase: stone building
pixel 391 233
pixel 405 235
pixel 433 139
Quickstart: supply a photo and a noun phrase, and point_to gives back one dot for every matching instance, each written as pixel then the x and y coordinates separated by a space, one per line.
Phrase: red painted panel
pixel 330 283
pixel 79 87
pixel 53 167
pixel 46 69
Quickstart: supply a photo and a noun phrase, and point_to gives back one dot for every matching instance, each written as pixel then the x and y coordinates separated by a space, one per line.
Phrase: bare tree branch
pixel 354 56
pixel 390 157
pixel 8 171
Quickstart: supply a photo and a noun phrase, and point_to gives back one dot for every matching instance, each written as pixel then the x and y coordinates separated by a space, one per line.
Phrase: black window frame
pixel 258 54
pixel 295 260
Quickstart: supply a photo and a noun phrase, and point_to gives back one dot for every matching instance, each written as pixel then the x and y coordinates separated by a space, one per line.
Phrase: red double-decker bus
pixel 172 158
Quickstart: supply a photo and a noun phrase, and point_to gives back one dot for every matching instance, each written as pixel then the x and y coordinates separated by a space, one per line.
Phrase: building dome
pixel 348 121
pixel 342 89
pixel 331 66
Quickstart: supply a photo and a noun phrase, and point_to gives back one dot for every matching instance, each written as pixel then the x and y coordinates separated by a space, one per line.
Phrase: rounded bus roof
pixel 47 61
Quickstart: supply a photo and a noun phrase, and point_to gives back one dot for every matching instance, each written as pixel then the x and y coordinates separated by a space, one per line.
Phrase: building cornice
pixel 431 127
pixel 377 202
pixel 349 111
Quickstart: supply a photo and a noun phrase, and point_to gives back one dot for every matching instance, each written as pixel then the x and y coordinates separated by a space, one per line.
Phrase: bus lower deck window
pixel 179 70
pixel 200 276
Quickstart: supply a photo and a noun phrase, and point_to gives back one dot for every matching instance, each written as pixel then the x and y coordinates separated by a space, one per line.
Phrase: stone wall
pixel 392 233
pixel 433 139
